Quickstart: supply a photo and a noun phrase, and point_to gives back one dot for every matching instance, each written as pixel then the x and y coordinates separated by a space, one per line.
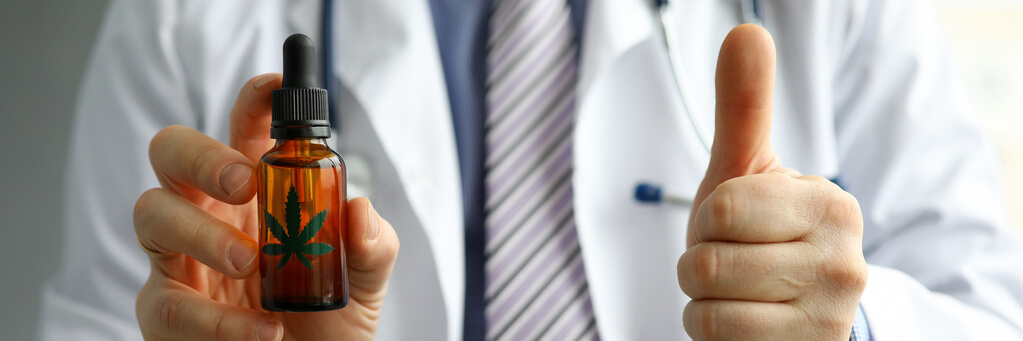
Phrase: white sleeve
pixel 944 262
pixel 133 87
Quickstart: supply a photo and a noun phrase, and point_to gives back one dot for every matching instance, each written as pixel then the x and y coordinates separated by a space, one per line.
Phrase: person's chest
pixel 397 135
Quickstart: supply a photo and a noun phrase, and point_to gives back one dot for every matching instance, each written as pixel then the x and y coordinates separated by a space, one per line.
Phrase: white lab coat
pixel 864 93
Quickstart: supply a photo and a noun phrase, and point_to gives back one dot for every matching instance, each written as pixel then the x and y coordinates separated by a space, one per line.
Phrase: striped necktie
pixel 535 281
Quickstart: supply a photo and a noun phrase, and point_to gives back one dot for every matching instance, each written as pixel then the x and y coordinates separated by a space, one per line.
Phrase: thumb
pixel 745 87
pixel 371 249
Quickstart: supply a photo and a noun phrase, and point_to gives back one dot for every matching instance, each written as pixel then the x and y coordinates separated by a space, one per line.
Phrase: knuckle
pixel 706 268
pixel 143 206
pixel 195 234
pixel 204 162
pixel 843 210
pixel 708 324
pixel 206 239
pixel 848 274
pixel 858 277
pixel 722 208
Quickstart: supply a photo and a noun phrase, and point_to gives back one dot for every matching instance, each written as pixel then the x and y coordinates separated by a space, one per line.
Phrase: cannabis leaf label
pixel 294 242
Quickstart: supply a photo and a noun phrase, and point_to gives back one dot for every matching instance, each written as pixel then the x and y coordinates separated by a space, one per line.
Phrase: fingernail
pixel 234 177
pixel 262 80
pixel 268 331
pixel 374 223
pixel 242 253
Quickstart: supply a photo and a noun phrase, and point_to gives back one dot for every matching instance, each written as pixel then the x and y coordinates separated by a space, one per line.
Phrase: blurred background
pixel 46 45
pixel 986 40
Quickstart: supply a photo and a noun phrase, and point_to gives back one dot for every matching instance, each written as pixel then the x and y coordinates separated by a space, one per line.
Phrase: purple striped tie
pixel 536 283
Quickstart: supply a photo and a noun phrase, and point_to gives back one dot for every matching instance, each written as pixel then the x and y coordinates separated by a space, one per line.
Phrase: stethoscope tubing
pixel 650 193
pixel 327 61
pixel 751 14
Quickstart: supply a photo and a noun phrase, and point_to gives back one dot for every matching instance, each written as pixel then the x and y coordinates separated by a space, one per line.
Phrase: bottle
pixel 302 198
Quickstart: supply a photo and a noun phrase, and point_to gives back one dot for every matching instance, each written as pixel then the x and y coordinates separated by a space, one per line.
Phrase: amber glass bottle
pixel 301 196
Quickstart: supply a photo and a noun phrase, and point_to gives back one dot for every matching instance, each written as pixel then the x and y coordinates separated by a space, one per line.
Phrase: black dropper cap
pixel 299 107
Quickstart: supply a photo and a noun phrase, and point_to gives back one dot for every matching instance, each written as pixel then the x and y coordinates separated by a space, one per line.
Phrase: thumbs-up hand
pixel 773 254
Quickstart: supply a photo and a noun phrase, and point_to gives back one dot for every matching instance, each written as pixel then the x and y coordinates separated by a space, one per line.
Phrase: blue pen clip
pixel 654 194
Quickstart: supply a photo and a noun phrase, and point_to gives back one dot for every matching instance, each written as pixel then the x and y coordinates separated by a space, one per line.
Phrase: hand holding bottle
pixel 199 230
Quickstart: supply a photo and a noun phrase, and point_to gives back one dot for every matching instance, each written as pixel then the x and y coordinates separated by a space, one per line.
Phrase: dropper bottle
pixel 302 198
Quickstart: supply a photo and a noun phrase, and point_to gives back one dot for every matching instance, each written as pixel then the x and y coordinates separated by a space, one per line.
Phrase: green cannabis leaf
pixel 293 242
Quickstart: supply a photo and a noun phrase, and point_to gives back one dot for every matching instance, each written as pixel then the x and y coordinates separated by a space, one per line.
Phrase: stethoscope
pixel 645 192
pixel 650 193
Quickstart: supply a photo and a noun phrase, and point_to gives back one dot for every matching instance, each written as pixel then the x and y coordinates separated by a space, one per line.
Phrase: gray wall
pixel 44 46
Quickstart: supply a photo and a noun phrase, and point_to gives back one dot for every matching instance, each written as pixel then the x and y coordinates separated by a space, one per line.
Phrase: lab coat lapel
pixel 392 66
pixel 613 27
